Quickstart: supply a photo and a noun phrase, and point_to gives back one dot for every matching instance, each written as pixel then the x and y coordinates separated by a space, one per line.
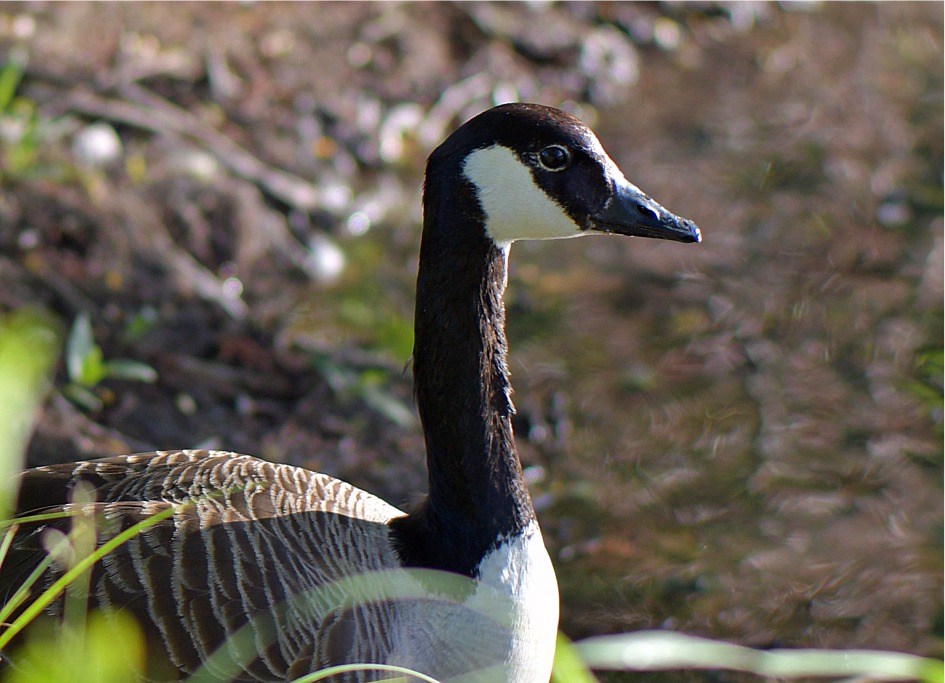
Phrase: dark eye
pixel 554 157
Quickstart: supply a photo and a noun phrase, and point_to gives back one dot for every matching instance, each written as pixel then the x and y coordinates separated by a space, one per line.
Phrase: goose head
pixel 517 171
pixel 527 171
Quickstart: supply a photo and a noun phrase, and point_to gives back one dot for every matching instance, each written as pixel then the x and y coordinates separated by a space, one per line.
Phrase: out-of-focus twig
pixel 154 113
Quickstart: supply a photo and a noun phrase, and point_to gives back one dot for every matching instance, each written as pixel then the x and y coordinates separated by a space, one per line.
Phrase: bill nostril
pixel 647 212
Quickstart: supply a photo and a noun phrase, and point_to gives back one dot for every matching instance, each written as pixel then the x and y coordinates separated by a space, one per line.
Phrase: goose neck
pixel 477 492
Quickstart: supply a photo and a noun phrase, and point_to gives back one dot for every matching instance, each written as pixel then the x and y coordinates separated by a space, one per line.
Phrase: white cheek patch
pixel 515 207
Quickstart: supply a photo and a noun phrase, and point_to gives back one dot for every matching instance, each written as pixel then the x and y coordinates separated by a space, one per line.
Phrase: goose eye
pixel 554 157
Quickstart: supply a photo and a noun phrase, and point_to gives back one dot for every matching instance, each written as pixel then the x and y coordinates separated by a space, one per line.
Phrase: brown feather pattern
pixel 248 536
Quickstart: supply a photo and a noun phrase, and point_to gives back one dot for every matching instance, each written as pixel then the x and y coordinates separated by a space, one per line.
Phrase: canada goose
pixel 291 555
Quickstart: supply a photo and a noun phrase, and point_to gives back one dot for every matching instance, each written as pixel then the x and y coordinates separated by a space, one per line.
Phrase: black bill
pixel 631 212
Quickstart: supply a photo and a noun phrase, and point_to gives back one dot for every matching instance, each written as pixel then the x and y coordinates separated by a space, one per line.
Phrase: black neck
pixel 476 490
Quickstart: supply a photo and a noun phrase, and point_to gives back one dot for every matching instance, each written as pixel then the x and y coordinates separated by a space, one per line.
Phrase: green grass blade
pixel 660 650
pixel 7 542
pixel 83 537
pixel 30 519
pixel 42 601
pixel 23 592
pixel 569 667
pixel 405 673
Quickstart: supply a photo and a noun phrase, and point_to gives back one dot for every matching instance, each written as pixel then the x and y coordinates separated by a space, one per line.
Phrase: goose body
pixel 266 572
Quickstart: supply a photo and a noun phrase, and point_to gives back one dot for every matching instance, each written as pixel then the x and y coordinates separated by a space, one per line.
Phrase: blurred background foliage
pixel 740 440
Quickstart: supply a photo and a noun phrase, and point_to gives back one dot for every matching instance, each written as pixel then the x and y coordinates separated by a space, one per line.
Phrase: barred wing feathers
pixel 251 560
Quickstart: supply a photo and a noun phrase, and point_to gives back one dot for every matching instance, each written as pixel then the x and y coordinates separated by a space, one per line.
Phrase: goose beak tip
pixel 631 212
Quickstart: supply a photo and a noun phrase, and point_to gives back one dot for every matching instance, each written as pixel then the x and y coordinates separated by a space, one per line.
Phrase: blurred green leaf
pixel 933 672
pixel 569 667
pixel 130 370
pixel 84 398
pixel 140 324
pixel 110 649
pixel 20 145
pixel 21 156
pixel 369 386
pixel 371 389
pixel 10 77
pixel 83 356
pixel 381 326
pixel 29 344
pixel 660 650
pixel 87 367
